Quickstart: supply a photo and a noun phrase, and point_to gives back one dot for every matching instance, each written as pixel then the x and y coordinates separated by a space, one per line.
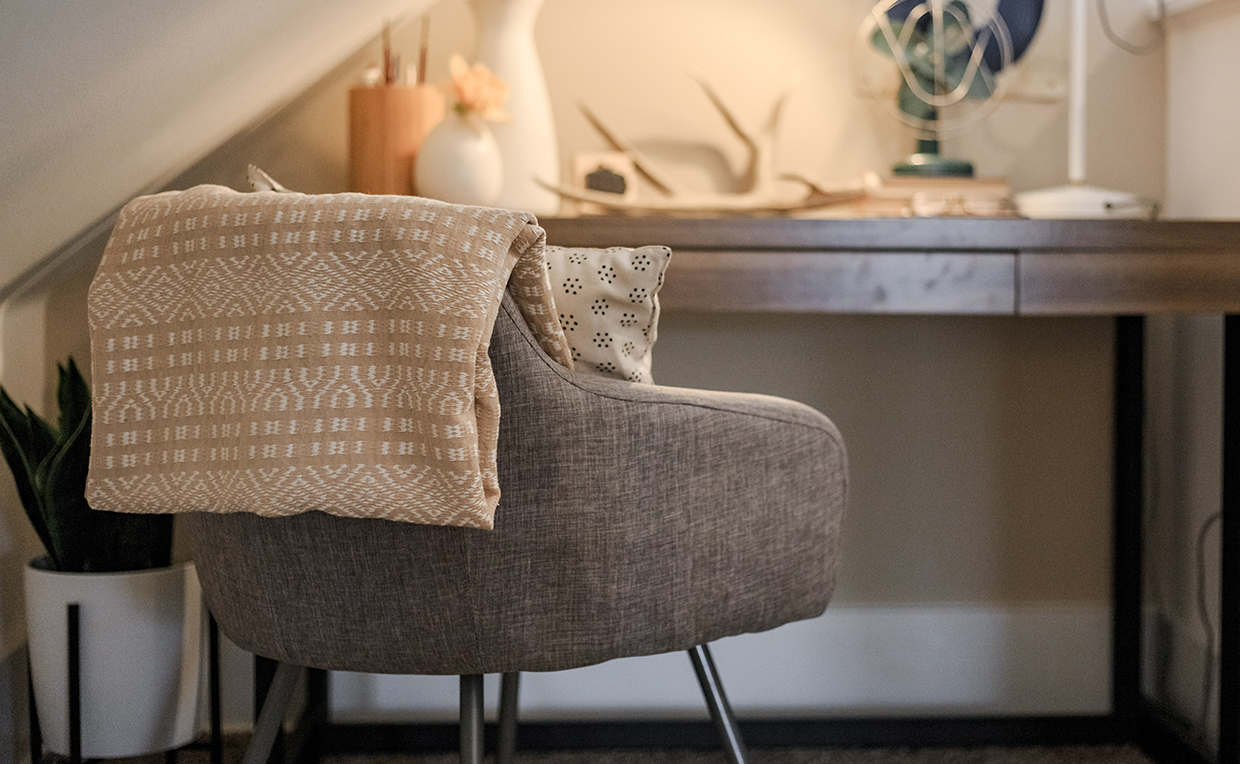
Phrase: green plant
pixel 49 466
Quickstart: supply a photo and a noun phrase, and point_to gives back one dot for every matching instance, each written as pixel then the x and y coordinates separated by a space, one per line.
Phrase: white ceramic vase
pixel 459 162
pixel 527 143
pixel 141 657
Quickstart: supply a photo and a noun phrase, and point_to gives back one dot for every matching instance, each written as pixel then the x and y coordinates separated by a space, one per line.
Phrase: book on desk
pixel 907 196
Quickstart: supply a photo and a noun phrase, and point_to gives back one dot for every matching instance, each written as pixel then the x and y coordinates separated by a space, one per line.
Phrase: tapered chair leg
pixel 509 690
pixel 471 719
pixel 717 703
pixel 272 715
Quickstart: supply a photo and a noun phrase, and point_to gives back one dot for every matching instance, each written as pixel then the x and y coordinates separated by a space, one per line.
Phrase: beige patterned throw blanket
pixel 281 353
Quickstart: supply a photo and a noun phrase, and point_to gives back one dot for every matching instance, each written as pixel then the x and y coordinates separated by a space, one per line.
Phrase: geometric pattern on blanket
pixel 279 353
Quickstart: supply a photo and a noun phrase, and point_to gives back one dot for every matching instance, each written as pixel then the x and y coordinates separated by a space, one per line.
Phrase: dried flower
pixel 478 90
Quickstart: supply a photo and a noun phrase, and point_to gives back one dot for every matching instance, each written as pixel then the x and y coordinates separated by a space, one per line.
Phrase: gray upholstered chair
pixel 634 520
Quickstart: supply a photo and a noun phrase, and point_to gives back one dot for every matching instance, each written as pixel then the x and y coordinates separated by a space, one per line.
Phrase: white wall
pixel 100 101
pixel 1203 181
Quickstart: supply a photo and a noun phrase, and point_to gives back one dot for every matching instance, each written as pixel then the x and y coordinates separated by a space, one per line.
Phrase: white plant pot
pixel 459 162
pixel 141 653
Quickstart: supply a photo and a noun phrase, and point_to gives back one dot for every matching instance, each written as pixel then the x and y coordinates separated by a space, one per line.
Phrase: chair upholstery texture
pixel 634 519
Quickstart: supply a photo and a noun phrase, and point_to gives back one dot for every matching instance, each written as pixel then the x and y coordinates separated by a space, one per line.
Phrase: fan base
pixel 932 165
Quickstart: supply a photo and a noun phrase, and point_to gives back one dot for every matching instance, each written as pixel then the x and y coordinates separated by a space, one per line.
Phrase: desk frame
pixel 1124 269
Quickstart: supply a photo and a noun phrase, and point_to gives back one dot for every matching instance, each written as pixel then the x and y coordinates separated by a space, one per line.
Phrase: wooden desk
pixel 930 265
pixel 1125 269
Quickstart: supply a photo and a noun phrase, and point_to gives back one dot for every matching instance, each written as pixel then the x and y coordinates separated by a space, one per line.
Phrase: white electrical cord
pixel 1203 615
pixel 1136 50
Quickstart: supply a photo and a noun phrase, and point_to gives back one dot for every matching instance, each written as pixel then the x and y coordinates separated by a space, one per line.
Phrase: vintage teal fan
pixel 947 57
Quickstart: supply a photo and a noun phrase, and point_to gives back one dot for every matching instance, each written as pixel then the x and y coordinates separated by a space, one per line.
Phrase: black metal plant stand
pixel 215 743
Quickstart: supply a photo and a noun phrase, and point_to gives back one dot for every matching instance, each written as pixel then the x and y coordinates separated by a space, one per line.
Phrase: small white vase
pixel 459 162
pixel 141 652
pixel 527 143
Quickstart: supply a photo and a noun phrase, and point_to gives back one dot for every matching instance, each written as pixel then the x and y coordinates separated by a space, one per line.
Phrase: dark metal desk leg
pixel 1128 500
pixel 1229 621
pixel 213 679
pixel 75 684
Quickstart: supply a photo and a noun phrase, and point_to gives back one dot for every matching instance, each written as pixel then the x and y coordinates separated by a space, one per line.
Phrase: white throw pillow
pixel 608 301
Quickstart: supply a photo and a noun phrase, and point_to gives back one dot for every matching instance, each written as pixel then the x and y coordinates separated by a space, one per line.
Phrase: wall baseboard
pixel 1045 658
pixel 802 733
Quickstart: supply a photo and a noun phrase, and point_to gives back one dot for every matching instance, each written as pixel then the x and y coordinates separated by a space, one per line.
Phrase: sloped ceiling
pixel 100 102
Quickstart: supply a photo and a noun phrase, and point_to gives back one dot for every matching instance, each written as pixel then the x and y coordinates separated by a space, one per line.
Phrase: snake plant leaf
pixel 61 482
pixel 43 437
pixel 92 540
pixel 50 466
pixel 135 542
pixel 24 445
pixel 72 395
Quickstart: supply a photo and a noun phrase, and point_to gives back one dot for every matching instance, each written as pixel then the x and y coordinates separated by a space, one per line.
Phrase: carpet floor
pixel 1055 755
pixel 987 755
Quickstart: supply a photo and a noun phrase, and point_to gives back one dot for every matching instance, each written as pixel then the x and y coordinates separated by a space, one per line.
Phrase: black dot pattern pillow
pixel 608 301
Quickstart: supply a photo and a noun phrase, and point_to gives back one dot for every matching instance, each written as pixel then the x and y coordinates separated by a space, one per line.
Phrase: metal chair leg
pixel 509 690
pixel 271 718
pixel 471 719
pixel 717 703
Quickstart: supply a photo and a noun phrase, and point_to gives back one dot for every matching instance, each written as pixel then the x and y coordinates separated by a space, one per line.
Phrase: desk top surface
pixel 909 234
pixel 932 265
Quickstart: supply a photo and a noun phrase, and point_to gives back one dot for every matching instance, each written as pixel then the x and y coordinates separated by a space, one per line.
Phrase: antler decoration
pixel 757 188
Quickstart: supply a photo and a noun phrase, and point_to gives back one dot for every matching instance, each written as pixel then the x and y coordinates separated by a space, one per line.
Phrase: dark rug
pixel 1055 755
pixel 234 749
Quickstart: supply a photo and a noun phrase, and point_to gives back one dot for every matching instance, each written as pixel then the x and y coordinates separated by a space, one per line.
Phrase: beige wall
pixel 1203 111
pixel 958 428
pixel 979 449
pixel 954 499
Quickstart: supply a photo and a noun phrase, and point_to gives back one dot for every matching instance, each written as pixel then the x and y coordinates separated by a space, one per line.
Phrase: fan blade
pixel 1022 18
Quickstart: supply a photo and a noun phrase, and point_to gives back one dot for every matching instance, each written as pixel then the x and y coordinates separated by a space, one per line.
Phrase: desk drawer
pixel 840 282
pixel 1109 283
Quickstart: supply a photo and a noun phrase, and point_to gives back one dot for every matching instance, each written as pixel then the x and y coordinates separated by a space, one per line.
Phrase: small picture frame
pixel 609 172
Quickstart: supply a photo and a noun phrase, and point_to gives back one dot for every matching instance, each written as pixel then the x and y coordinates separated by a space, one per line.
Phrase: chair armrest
pixel 721 510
